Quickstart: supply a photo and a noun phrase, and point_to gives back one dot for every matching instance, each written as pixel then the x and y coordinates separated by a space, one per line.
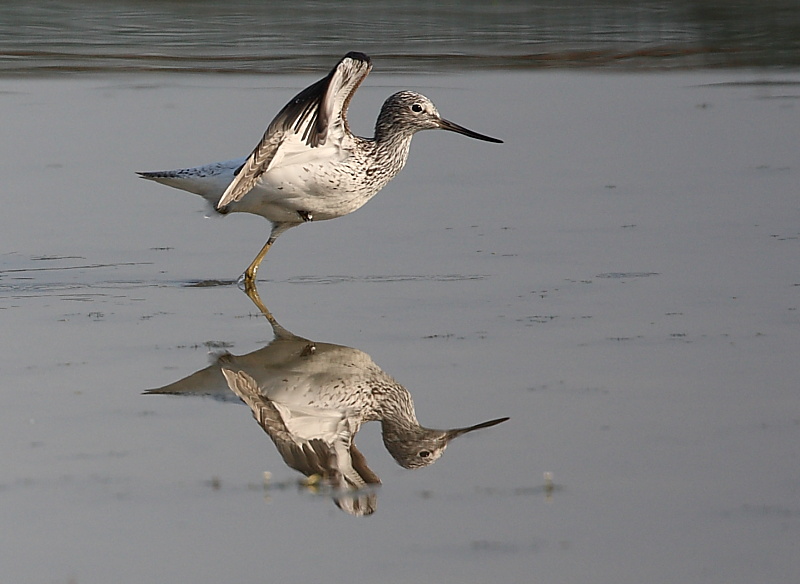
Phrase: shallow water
pixel 620 277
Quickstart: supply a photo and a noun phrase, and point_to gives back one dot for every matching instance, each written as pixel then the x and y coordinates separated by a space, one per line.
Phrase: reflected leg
pixel 252 293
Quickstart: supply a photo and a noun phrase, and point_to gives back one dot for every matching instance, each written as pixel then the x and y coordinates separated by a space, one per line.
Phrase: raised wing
pixel 316 115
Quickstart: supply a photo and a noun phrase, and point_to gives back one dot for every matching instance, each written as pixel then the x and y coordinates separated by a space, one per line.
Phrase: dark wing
pixel 316 115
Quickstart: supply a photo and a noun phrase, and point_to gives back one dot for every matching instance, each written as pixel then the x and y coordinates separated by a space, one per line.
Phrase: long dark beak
pixel 448 125
pixel 459 431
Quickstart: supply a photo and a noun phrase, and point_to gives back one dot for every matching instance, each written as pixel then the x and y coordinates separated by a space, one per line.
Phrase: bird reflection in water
pixel 311 399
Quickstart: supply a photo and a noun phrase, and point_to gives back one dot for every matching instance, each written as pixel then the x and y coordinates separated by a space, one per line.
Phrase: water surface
pixel 620 277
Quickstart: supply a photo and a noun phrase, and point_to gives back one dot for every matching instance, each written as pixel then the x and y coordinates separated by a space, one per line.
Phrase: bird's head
pixel 418 447
pixel 410 112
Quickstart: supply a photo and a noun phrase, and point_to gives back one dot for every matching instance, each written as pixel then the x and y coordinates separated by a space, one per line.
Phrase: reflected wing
pixel 309 441
pixel 309 457
pixel 314 118
pixel 360 466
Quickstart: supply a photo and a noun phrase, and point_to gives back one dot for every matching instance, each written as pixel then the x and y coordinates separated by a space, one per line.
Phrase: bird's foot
pixel 247 282
pixel 241 282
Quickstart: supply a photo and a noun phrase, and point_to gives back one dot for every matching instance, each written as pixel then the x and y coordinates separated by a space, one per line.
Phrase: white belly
pixel 321 191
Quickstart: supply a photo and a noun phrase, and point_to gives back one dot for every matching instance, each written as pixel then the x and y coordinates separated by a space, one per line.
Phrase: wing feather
pixel 308 454
pixel 308 458
pixel 315 114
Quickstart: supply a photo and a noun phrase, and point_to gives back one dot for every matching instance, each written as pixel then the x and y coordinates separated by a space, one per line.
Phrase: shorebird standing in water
pixel 309 166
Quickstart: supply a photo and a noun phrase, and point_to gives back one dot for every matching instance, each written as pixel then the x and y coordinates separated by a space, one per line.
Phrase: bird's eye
pixel 424 453
pixel 416 108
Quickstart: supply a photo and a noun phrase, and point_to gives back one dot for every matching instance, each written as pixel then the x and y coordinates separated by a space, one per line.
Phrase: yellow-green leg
pixel 249 276
pixel 250 272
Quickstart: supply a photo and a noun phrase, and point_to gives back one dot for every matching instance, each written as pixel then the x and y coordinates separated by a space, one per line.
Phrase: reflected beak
pixel 448 125
pixel 459 431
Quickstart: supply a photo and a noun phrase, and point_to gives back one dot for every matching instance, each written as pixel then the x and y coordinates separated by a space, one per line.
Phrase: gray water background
pixel 620 277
